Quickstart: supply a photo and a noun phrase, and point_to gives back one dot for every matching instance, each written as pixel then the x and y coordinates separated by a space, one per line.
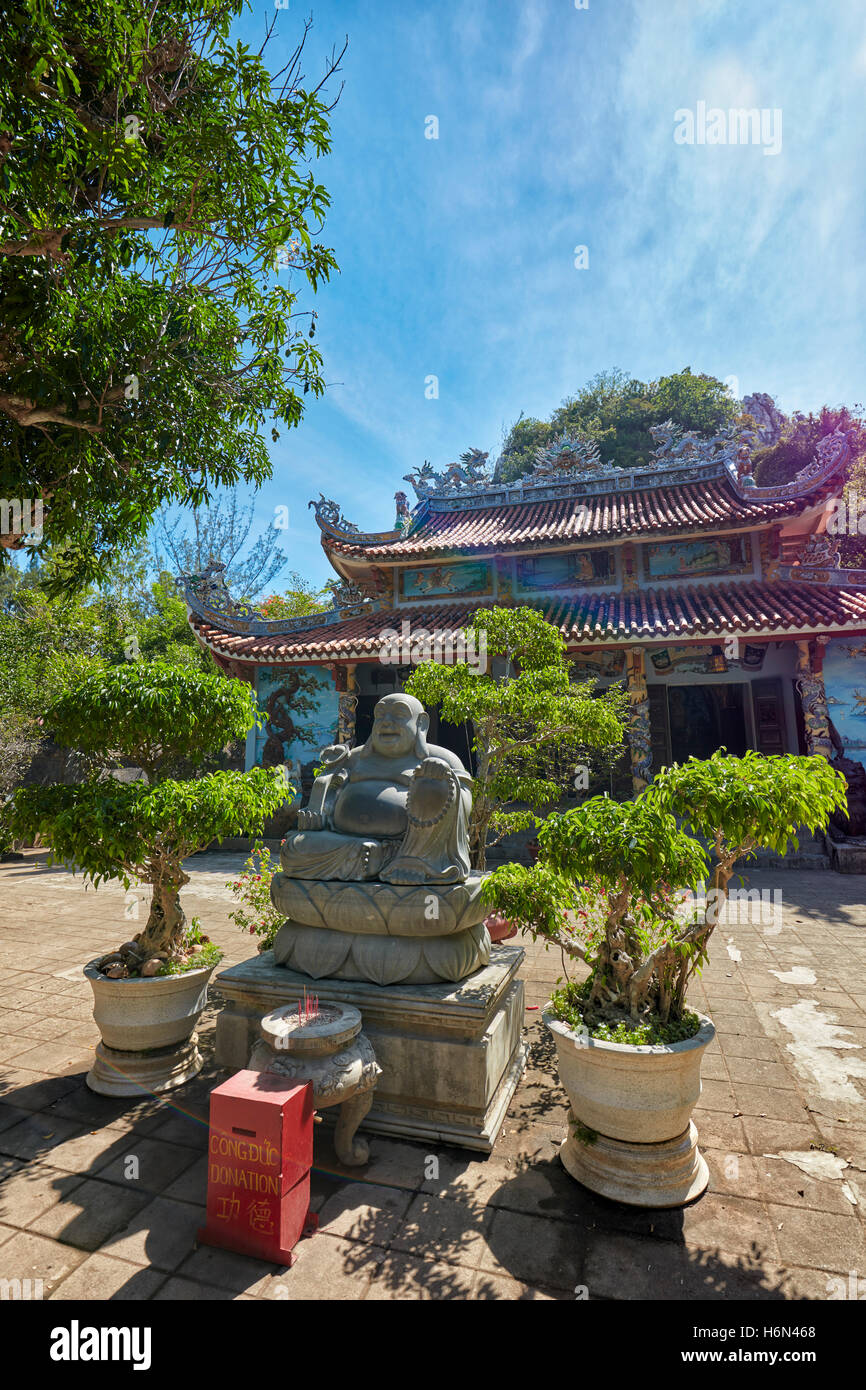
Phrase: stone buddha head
pixel 400 725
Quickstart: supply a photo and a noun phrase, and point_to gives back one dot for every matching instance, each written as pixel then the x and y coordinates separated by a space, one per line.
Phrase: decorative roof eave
pixel 687 459
pixel 826 576
pixel 207 597
pixel 754 610
pixel 333 525
pixel 716 461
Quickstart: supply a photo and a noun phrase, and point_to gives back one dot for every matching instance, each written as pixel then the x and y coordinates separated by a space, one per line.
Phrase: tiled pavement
pixel 784 1082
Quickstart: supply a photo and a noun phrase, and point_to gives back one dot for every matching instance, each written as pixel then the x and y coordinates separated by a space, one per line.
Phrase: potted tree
pixel 532 725
pixel 150 991
pixel 619 887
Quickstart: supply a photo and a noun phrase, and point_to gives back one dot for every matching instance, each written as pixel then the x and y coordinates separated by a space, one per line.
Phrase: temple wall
pixel 302 706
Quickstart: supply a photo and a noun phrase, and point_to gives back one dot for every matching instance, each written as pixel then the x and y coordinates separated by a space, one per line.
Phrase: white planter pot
pixel 147 1028
pixel 630 1132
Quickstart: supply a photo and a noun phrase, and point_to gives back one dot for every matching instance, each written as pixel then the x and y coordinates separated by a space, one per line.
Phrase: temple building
pixel 720 604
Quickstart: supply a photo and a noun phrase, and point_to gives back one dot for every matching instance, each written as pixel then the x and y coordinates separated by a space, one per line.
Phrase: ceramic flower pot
pixel 148 1030
pixel 630 1134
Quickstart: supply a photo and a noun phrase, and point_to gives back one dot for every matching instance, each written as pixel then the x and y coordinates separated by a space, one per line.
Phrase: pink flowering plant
pixel 256 914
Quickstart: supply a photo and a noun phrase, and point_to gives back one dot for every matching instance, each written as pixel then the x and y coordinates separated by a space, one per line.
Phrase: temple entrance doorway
pixel 695 720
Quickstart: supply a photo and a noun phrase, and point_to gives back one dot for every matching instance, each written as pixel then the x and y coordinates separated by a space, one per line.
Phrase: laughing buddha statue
pixel 395 809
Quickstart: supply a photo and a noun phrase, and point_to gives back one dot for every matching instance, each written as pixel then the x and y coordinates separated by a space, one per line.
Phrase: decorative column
pixel 639 736
pixel 347 687
pixel 810 684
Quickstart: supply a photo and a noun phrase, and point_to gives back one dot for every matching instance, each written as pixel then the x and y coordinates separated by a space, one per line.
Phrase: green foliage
pixel 570 1001
pixel 612 840
pixel 205 959
pixel 531 724
pixel 617 411
pixel 642 938
pixel 154 714
pixel 753 802
pixel 299 600
pixel 108 829
pixel 257 914
pixel 780 462
pixel 160 217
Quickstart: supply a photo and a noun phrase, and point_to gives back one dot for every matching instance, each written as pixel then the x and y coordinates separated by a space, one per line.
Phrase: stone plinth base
pixel 641 1175
pixel 451 1054
pixel 849 856
pixel 129 1073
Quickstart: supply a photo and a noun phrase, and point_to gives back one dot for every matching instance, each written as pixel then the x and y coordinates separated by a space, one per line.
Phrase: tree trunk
pixel 166 922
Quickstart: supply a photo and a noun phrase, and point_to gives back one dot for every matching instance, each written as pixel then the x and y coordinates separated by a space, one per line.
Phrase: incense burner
pixel 323 1044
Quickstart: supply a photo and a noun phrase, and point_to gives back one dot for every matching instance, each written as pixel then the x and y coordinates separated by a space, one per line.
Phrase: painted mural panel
pixel 439 581
pixel 845 686
pixel 301 706
pixel 692 559
pixel 577 570
pixel 707 659
pixel 603 665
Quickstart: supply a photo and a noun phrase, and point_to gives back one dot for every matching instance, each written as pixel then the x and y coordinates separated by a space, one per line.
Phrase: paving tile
pixel 191 1184
pixel 754 1072
pixel 178 1290
pixel 37 1135
pixel 769 1136
pixel 101 1278
pixel 155 1164
pixel 365 1212
pixel 29 1189
pixel 27 1255
pixel 783 1182
pixel 325 1268
pixel 533 1249
pixel 735 1224
pixel 629 1268
pixel 732 1173
pixel 818 1239
pixel 56 1058
pixel 441 1230
pixel 410 1277
pixel 89 1214
pixel 241 1274
pixel 496 1288
pixel 162 1234
pixel 770 1103
pixel 34 1090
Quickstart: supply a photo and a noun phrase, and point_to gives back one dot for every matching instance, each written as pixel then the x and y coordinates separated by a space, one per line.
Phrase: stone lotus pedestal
pixel 330 1051
pixel 451 1053
pixel 381 932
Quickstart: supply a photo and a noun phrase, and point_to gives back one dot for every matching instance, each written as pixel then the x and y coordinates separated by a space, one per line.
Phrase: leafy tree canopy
pixel 616 411
pixel 156 195
pixel 531 723
pixel 154 714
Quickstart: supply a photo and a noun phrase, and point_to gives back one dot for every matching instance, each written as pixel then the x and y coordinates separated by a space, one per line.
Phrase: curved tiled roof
pixel 610 515
pixel 750 608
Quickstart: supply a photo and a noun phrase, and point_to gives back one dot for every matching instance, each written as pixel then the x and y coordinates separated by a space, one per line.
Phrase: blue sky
pixel 556 130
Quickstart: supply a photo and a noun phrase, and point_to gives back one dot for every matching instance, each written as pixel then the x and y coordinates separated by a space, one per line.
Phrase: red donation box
pixel 260 1151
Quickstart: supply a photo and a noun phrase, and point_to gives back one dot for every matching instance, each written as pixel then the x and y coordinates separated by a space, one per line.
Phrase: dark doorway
pixel 706 717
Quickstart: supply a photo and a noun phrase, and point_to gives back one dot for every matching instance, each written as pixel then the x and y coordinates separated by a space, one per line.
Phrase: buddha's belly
pixel 376 809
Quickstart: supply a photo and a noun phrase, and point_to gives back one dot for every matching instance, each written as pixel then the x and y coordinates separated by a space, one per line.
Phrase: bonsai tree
pixel 615 883
pixel 154 716
pixel 531 723
pixel 739 805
